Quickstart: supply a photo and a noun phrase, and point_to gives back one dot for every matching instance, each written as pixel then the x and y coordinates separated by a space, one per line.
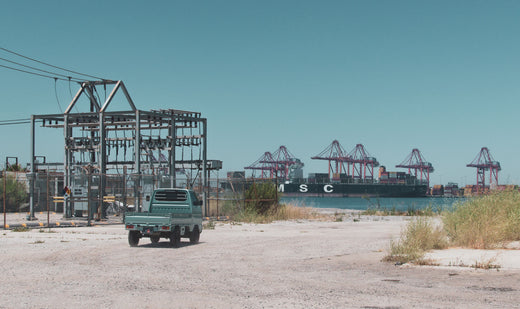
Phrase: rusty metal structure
pixel 128 142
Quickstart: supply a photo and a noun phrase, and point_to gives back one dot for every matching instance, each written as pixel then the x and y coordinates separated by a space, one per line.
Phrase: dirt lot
pixel 281 265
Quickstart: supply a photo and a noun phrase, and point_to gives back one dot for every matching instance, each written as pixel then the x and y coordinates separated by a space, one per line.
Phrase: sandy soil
pixel 280 265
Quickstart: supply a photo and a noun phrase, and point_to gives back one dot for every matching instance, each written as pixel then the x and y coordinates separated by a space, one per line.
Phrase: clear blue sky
pixel 441 76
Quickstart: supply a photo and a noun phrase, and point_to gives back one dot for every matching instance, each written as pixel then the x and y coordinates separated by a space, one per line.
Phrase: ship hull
pixel 353 190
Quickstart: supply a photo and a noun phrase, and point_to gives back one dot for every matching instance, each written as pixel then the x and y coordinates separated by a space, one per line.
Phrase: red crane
pixel 337 156
pixel 362 163
pixel 282 159
pixel 485 162
pixel 267 170
pixel 420 166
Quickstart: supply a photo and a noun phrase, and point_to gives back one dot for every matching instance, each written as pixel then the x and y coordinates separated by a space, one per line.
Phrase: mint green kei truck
pixel 173 213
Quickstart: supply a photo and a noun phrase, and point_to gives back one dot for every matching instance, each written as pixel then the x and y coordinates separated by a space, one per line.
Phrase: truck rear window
pixel 171 196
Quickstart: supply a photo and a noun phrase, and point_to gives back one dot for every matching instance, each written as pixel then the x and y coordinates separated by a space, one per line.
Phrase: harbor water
pixel 375 203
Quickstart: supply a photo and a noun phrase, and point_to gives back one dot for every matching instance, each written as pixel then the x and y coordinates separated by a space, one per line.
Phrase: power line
pixel 11 120
pixel 17 121
pixel 44 63
pixel 33 73
pixel 11 123
pixel 36 69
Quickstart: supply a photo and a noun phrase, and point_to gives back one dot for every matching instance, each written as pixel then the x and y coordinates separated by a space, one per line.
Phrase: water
pixel 389 203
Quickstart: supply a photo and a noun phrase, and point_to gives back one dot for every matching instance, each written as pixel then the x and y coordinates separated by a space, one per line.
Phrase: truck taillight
pixel 165 228
pixel 129 226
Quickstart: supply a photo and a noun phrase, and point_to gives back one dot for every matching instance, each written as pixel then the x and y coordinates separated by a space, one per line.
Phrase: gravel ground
pixel 280 265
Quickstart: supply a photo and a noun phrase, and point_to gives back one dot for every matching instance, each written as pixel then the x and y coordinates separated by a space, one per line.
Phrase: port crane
pixel 336 156
pixel 416 162
pixel 267 170
pixel 485 162
pixel 276 164
pixel 362 163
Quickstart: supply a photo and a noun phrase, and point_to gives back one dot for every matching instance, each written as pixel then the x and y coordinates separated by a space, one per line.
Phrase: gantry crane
pixel 276 164
pixel 336 156
pixel 267 170
pixel 362 163
pixel 485 162
pixel 416 162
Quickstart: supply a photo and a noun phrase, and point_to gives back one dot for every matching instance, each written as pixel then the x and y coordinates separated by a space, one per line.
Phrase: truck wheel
pixel 133 238
pixel 195 235
pixel 175 237
pixel 154 239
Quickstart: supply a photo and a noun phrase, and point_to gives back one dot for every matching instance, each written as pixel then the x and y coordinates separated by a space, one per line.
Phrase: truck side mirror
pixel 147 198
pixel 197 203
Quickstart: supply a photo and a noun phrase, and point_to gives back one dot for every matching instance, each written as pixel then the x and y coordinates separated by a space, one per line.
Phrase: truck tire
pixel 133 238
pixel 195 235
pixel 154 239
pixel 175 237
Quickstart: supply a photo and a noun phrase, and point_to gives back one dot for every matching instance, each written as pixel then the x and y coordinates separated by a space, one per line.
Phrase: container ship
pixel 349 174
pixel 389 184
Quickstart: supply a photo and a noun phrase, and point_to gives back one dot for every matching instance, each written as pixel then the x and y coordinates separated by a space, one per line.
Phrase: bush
pixel 282 212
pixel 419 236
pixel 485 222
pixel 261 197
pixel 15 192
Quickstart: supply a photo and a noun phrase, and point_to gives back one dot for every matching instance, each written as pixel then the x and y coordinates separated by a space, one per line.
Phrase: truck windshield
pixel 171 196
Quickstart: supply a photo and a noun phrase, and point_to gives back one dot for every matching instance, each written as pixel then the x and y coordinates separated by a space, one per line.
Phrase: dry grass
pixel 485 222
pixel 280 213
pixel 419 236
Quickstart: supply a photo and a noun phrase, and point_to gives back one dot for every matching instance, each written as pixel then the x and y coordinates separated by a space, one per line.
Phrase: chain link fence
pixel 81 200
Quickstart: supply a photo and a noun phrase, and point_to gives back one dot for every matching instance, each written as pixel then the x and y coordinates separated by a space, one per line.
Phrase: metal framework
pixel 157 142
pixel 416 162
pixel 362 163
pixel 277 164
pixel 336 156
pixel 485 162
pixel 267 170
pixel 283 160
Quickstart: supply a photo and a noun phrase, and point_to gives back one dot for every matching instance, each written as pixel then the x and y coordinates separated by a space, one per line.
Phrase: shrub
pixel 485 222
pixel 282 212
pixel 15 192
pixel 261 197
pixel 419 236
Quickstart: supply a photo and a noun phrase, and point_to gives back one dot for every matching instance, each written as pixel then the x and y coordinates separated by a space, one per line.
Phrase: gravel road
pixel 279 265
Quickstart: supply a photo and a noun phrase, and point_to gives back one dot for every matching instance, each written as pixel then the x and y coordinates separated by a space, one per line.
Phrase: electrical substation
pixel 120 155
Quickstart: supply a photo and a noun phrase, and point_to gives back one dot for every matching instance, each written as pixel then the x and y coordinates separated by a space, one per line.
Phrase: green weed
pixel 419 236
